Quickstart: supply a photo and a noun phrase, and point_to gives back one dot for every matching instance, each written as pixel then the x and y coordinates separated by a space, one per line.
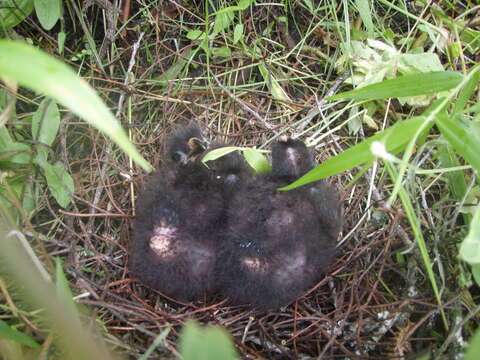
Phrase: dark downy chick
pixel 279 242
pixel 179 212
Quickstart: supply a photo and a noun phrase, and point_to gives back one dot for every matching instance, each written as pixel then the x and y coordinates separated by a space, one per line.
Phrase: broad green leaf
pixel 365 12
pixel 208 343
pixel 60 183
pixel 395 139
pixel 11 151
pixel 404 86
pixel 237 33
pixel 7 332
pixel 256 160
pixel 223 20
pixel 470 248
pixel 55 79
pixel 218 153
pixel 48 12
pixel 473 348
pixel 23 190
pixel 47 120
pixel 221 51
pixel 13 12
pixel 423 63
pixel 243 4
pixel 196 35
pixel 16 153
pixel 463 135
pixel 253 157
pixel 272 83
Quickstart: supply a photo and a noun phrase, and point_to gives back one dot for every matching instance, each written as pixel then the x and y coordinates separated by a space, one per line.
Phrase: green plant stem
pixel 417 233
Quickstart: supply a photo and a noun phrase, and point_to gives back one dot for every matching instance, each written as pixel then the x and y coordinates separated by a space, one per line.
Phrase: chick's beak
pixel 197 146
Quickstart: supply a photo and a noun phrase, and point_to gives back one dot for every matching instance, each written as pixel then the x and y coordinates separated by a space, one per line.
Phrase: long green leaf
pixel 414 221
pixel 463 135
pixel 46 75
pixel 394 138
pixel 456 179
pixel 404 86
pixel 218 153
pixel 7 332
pixel 466 92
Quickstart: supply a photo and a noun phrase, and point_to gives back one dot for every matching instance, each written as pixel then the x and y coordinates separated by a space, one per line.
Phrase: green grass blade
pixel 158 340
pixel 456 179
pixel 463 135
pixel 44 74
pixel 418 235
pixel 21 266
pixel 6 332
pixel 404 86
pixel 395 139
pixel 365 11
pixel 473 78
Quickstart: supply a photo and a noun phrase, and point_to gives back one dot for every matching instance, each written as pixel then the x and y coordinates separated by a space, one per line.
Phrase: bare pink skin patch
pixel 255 265
pixel 162 240
pixel 292 156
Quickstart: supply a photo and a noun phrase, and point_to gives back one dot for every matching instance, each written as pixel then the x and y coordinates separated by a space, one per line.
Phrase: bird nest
pixel 362 308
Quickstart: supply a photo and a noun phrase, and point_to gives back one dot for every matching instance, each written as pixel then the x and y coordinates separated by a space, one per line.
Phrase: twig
pixel 108 150
pixel 121 99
